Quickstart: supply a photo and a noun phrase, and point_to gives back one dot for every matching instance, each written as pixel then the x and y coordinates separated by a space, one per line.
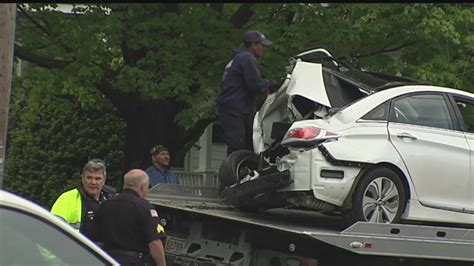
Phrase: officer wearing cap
pixel 128 227
pixel 159 171
pixel 241 83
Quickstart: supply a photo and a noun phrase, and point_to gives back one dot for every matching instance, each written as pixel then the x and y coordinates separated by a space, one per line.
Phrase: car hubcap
pixel 381 201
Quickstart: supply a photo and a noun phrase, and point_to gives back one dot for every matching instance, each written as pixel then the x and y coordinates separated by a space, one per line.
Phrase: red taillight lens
pixel 307 137
pixel 305 133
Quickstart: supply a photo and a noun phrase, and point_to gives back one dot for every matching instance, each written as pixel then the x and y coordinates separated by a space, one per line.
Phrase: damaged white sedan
pixel 369 146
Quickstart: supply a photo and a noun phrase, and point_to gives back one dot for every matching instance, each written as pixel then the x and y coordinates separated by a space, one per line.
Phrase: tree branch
pixel 241 16
pixel 171 7
pixel 39 60
pixel 122 101
pixel 380 51
pixel 219 8
pixel 191 136
pixel 45 29
pixel 36 23
pixel 291 17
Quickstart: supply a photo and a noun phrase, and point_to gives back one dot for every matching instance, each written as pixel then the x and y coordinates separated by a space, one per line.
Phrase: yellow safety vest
pixel 69 207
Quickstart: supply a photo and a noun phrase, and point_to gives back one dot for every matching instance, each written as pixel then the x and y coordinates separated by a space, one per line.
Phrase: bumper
pixel 270 181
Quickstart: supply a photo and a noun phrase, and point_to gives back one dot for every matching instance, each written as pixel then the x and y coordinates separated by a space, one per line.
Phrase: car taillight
pixel 307 137
pixel 305 133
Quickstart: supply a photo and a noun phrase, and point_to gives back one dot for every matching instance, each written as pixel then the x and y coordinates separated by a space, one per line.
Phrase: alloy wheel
pixel 380 201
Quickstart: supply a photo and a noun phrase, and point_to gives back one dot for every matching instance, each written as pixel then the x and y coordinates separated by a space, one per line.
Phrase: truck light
pixel 357 244
pixel 367 245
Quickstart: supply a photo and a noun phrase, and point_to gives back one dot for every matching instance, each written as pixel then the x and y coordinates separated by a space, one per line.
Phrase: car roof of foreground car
pixel 13 201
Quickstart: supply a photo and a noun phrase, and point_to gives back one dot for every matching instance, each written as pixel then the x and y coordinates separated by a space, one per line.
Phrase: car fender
pixel 354 151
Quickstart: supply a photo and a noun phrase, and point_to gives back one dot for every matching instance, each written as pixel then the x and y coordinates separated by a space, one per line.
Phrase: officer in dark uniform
pixel 128 227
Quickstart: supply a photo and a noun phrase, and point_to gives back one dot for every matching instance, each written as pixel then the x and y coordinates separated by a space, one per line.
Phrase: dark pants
pixel 237 131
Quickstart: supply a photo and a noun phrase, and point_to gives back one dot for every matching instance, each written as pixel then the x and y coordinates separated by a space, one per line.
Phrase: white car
pixel 30 235
pixel 396 149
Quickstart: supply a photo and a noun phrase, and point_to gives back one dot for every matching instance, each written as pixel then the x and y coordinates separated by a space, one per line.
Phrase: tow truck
pixel 204 229
pixel 248 221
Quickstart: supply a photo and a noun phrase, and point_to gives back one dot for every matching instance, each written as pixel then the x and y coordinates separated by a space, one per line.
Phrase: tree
pixel 160 73
pixel 54 135
pixel 160 65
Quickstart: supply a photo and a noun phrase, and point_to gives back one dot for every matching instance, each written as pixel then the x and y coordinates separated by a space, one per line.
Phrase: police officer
pixel 128 228
pixel 241 83
pixel 78 206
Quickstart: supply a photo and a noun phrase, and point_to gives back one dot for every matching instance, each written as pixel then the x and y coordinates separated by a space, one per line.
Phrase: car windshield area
pixel 30 240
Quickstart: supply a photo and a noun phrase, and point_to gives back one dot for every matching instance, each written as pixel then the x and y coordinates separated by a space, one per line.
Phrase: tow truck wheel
pixel 380 197
pixel 237 166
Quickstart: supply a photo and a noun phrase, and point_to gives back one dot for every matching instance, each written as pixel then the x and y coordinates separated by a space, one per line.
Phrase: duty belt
pixel 130 253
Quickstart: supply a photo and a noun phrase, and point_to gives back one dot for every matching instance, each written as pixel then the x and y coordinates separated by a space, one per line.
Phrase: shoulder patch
pixel 153 213
pixel 160 228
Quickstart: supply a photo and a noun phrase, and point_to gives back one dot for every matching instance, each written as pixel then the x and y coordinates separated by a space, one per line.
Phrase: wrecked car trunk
pixel 309 91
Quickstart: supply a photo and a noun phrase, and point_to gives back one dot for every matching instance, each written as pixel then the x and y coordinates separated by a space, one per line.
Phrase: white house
pixel 202 161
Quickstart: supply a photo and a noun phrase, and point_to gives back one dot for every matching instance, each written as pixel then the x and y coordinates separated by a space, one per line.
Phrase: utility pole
pixel 7 39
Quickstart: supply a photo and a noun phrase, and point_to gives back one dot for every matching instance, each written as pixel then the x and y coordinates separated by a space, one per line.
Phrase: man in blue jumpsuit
pixel 241 83
pixel 159 170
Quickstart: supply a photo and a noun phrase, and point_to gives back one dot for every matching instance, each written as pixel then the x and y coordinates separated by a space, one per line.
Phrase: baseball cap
pixel 256 36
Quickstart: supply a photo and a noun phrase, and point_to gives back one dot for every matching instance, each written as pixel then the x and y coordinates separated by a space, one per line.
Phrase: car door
pixel 465 108
pixel 424 129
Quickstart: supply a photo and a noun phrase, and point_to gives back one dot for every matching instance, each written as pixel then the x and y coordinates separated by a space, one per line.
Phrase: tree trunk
pixel 148 124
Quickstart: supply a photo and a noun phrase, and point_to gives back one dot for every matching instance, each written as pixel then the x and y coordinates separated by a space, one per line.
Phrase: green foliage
pixel 53 136
pixel 140 57
pixel 430 42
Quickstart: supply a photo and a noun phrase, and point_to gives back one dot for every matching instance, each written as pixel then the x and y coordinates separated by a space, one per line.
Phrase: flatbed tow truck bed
pixel 372 239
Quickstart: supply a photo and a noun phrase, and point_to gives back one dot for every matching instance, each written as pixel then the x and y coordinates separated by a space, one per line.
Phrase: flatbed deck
pixel 403 240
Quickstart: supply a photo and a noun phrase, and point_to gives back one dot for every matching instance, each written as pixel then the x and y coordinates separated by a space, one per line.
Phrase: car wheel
pixel 237 166
pixel 380 197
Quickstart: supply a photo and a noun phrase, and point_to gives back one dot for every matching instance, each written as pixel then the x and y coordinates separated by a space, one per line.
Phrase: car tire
pixel 236 166
pixel 379 197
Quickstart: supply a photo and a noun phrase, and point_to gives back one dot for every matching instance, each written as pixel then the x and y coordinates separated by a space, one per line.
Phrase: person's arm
pixel 253 78
pixel 95 230
pixel 68 207
pixel 153 232
pixel 157 252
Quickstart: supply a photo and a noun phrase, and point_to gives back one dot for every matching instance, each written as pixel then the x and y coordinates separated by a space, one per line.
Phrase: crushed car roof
pixel 368 81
